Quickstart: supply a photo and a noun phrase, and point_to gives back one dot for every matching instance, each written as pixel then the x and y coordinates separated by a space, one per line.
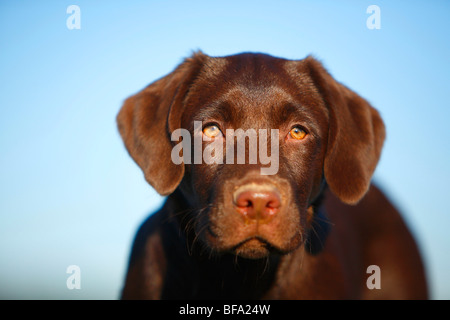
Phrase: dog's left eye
pixel 297 133
pixel 212 131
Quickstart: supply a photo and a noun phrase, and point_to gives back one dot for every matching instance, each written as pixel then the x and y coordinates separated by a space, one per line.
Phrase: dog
pixel 315 228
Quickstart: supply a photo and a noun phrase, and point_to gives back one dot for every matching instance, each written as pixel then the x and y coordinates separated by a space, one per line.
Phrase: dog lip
pixel 263 242
pixel 267 244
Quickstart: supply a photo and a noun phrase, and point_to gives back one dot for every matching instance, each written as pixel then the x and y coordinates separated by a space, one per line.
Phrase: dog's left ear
pixel 355 138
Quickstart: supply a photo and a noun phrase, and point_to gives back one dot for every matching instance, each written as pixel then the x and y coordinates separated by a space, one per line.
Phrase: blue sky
pixel 70 194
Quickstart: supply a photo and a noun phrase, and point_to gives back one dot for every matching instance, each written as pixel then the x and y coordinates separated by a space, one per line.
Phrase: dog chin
pixel 254 248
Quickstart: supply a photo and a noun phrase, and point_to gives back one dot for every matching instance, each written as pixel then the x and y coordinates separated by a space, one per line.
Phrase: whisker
pixel 266 265
pixel 201 230
pixel 199 226
pixel 327 221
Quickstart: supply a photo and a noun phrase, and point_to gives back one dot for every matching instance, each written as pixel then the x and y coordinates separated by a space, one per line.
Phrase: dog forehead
pixel 251 69
pixel 251 84
pixel 255 75
pixel 242 95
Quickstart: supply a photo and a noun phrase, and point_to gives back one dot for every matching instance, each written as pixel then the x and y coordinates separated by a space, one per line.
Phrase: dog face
pixel 317 133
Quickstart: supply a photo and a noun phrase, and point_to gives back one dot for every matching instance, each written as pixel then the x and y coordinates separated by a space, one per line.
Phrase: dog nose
pixel 257 204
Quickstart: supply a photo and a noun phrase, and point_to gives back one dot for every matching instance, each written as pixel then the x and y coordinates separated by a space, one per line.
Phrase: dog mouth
pixel 254 248
pixel 253 241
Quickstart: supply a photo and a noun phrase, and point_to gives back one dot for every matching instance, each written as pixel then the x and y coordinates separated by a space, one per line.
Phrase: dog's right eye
pixel 212 131
pixel 297 133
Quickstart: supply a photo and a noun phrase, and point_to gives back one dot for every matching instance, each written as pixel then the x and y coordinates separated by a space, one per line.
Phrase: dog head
pixel 265 135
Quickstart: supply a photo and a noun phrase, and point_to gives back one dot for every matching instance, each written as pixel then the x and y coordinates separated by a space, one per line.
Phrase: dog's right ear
pixel 143 124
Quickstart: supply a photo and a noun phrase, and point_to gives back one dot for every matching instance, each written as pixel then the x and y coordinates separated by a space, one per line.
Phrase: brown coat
pixel 310 231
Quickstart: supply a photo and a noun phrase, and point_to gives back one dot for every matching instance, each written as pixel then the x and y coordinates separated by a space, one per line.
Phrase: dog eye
pixel 212 131
pixel 297 133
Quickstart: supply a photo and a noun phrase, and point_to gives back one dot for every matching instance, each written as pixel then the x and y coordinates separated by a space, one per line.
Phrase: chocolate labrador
pixel 267 165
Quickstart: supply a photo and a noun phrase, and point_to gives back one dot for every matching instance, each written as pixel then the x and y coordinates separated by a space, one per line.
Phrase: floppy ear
pixel 143 124
pixel 355 138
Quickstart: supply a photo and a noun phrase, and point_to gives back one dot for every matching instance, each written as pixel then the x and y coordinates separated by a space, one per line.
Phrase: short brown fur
pixel 332 223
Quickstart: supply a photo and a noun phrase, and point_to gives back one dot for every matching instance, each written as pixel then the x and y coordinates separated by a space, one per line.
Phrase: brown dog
pixel 314 229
